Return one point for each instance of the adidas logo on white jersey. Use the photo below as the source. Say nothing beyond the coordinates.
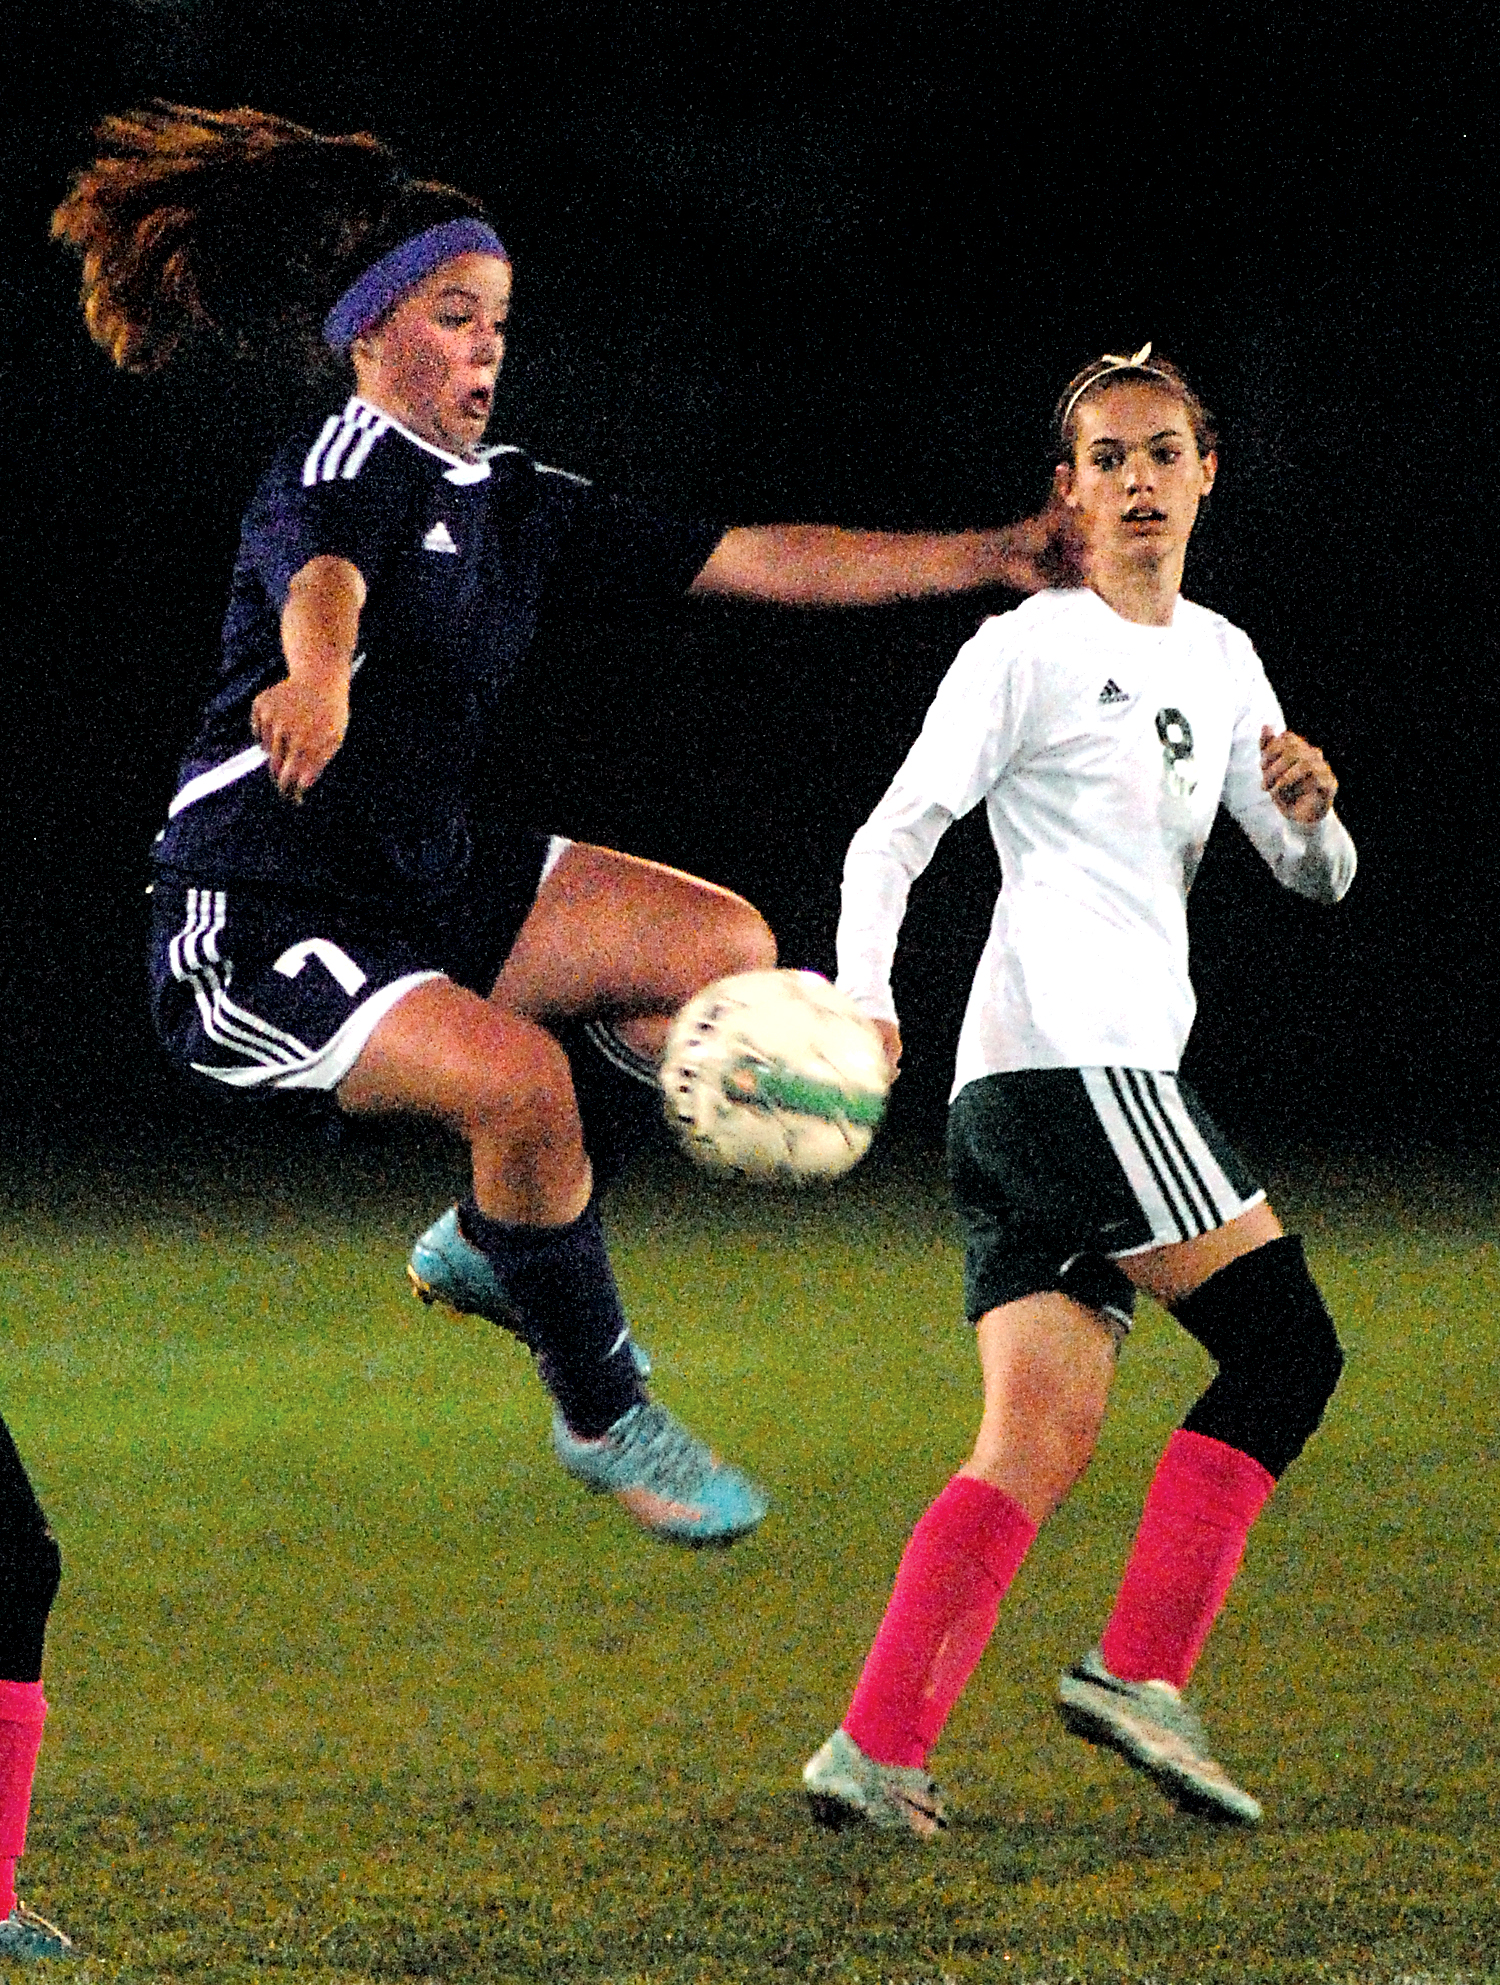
(439, 538)
(1112, 693)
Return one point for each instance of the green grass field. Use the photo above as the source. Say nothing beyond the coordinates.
(348, 1681)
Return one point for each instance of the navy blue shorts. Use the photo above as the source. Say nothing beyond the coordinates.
(259, 988)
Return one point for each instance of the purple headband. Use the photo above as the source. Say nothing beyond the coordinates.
(410, 262)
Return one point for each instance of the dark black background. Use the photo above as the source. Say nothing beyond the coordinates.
(774, 263)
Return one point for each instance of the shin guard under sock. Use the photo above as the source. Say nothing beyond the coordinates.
(23, 1710)
(962, 1556)
(561, 1281)
(1199, 1509)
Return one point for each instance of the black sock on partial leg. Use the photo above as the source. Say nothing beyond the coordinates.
(562, 1283)
(30, 1569)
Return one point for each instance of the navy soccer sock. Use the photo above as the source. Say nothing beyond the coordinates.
(563, 1285)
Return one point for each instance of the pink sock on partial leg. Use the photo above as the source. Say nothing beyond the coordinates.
(963, 1554)
(1203, 1499)
(23, 1710)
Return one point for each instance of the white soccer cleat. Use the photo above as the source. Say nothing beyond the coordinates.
(29, 1937)
(846, 1788)
(1152, 1728)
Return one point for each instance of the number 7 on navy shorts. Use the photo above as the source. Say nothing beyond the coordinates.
(255, 991)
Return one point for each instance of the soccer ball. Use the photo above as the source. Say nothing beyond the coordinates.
(774, 1075)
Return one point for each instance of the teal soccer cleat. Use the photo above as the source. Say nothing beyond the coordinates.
(27, 1936)
(846, 1788)
(1152, 1728)
(667, 1479)
(447, 1269)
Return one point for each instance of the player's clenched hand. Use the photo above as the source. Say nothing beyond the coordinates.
(1044, 550)
(890, 1040)
(300, 723)
(1296, 775)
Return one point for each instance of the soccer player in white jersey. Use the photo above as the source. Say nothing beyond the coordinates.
(1102, 728)
(328, 916)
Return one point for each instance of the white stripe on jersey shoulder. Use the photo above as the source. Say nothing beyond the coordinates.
(343, 446)
(458, 470)
(216, 776)
(542, 468)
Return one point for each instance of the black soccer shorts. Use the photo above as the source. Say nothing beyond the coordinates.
(1059, 1173)
(262, 989)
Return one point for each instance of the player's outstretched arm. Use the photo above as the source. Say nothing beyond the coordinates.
(820, 565)
(300, 721)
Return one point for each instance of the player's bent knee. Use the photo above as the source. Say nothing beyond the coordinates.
(1263, 1321)
(522, 1087)
(745, 941)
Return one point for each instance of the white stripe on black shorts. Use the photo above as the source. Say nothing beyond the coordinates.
(1060, 1173)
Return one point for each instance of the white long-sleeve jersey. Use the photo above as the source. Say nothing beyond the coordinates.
(1102, 750)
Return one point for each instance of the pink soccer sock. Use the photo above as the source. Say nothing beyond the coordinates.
(23, 1710)
(963, 1554)
(1202, 1501)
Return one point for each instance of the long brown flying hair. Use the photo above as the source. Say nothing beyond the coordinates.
(234, 222)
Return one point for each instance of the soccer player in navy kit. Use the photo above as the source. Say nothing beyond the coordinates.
(326, 917)
(1102, 727)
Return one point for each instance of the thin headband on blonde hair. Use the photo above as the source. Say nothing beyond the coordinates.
(1112, 362)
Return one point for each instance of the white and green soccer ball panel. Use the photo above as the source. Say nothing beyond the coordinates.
(774, 1075)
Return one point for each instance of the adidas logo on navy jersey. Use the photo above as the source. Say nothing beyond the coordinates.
(439, 538)
(1112, 693)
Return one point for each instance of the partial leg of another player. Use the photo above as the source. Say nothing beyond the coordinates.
(30, 1567)
(1048, 1363)
(1244, 1291)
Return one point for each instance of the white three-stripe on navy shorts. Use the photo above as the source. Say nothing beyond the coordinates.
(299, 1025)
(258, 989)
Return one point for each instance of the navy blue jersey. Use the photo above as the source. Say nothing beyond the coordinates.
(459, 558)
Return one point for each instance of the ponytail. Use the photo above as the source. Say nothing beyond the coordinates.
(233, 222)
